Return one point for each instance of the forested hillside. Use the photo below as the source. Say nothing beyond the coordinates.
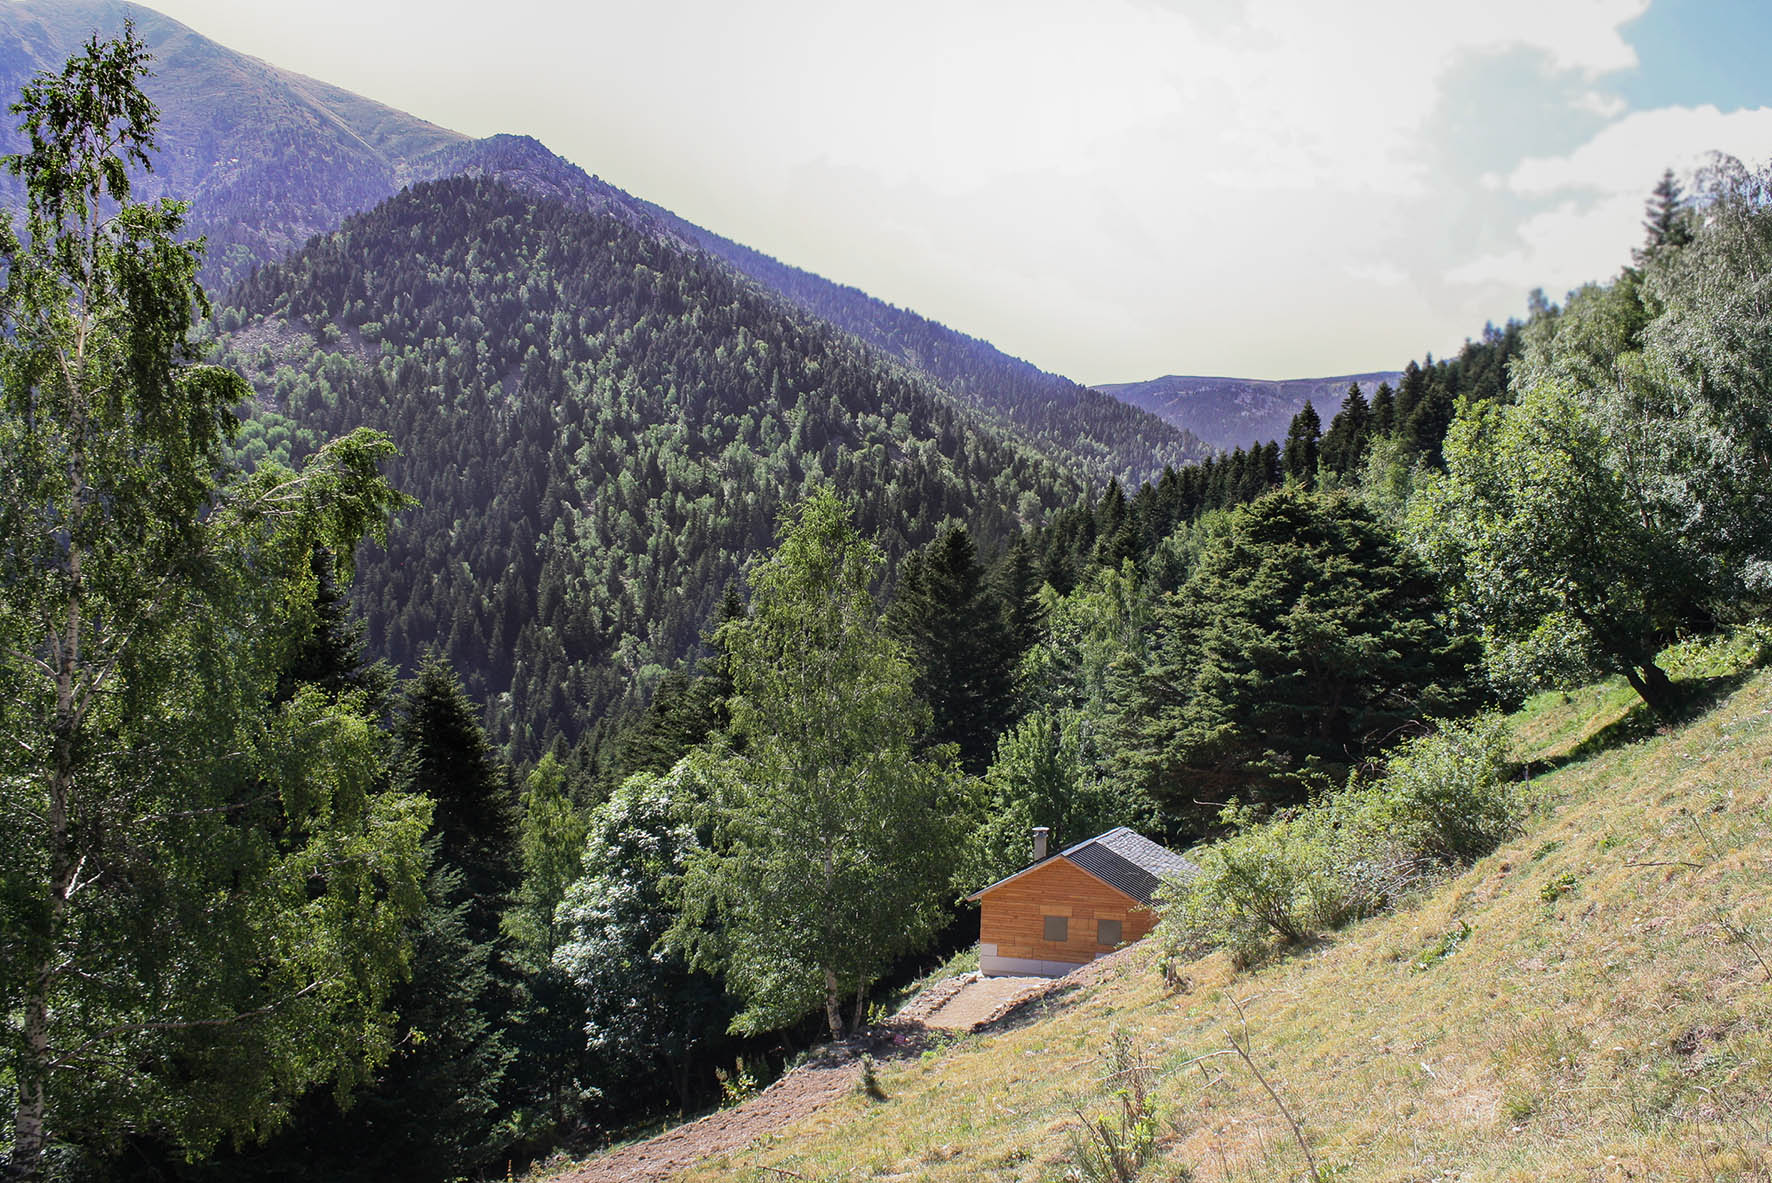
(599, 428)
(269, 158)
(1098, 436)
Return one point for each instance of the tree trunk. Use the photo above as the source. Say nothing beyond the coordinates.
(861, 1002)
(833, 1005)
(1654, 688)
(30, 1119)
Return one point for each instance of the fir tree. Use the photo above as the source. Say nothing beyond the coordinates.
(1304, 638)
(1302, 439)
(1344, 444)
(956, 633)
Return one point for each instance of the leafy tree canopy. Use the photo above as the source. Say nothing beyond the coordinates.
(203, 902)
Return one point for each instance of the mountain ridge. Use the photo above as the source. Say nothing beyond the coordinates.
(263, 186)
(1230, 412)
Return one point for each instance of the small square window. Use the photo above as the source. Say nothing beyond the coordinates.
(1107, 932)
(1058, 928)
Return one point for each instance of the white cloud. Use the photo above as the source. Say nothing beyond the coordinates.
(1599, 190)
(1562, 248)
(1606, 106)
(1629, 154)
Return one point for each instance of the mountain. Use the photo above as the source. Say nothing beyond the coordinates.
(266, 157)
(269, 158)
(600, 429)
(1233, 412)
(1097, 434)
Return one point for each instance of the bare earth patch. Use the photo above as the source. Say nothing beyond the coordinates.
(832, 1071)
(966, 1003)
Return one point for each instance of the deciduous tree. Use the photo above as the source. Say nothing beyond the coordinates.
(831, 841)
(203, 904)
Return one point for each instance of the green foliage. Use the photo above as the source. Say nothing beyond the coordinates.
(550, 840)
(1303, 636)
(642, 1004)
(959, 638)
(1555, 889)
(205, 897)
(1564, 561)
(1044, 774)
(1446, 795)
(1303, 443)
(1444, 799)
(832, 842)
(1624, 497)
(1446, 946)
(1115, 1148)
(1285, 877)
(602, 428)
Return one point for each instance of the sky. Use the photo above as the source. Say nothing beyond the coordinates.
(1114, 190)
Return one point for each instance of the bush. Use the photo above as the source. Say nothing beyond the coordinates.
(1446, 796)
(1285, 878)
(1444, 799)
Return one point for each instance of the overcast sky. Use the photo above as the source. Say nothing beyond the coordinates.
(1115, 189)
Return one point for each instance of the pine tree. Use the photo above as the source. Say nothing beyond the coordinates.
(1384, 410)
(959, 642)
(1344, 445)
(1302, 447)
(1664, 217)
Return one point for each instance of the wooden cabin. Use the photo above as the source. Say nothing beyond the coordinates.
(1066, 909)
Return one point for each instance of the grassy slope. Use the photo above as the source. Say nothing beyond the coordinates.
(1603, 1019)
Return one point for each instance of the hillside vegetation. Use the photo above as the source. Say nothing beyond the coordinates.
(1593, 1000)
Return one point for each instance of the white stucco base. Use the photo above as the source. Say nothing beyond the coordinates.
(993, 966)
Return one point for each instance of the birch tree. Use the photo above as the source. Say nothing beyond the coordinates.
(832, 843)
(202, 895)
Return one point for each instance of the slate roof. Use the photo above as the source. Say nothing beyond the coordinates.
(1121, 859)
(1128, 861)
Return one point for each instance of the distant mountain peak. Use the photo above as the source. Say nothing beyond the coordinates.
(1234, 412)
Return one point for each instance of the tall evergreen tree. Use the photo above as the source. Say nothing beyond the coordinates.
(1344, 444)
(442, 753)
(1302, 439)
(957, 636)
(1304, 635)
(1384, 410)
(1664, 217)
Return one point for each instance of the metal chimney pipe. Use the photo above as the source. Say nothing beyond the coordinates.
(1041, 835)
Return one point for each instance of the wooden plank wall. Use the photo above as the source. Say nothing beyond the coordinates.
(1013, 916)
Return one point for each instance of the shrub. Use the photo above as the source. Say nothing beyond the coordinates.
(1284, 878)
(1445, 798)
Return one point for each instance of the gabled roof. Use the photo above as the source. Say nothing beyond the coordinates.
(1120, 858)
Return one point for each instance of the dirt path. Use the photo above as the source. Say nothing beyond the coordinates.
(832, 1071)
(980, 1000)
(967, 1003)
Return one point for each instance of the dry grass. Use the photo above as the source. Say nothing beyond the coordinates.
(1605, 1016)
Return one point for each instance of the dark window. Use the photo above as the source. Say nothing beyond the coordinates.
(1058, 928)
(1107, 932)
